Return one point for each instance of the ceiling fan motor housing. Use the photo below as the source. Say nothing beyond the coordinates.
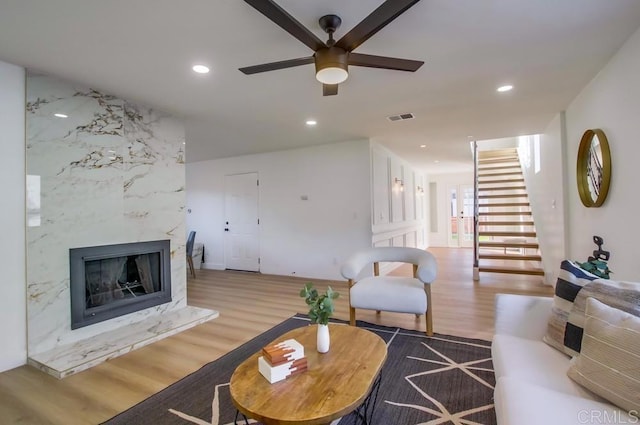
(331, 58)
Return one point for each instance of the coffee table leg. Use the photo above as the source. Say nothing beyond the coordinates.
(235, 421)
(364, 413)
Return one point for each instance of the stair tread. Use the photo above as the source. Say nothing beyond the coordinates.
(498, 167)
(505, 213)
(505, 223)
(482, 182)
(508, 173)
(514, 234)
(507, 157)
(508, 245)
(489, 189)
(512, 270)
(507, 195)
(499, 152)
(508, 257)
(498, 162)
(505, 204)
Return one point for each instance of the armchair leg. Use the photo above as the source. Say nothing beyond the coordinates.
(352, 311)
(418, 316)
(191, 267)
(429, 313)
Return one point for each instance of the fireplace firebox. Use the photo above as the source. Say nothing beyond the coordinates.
(113, 280)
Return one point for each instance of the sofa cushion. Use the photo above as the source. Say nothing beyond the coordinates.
(621, 295)
(570, 281)
(389, 293)
(609, 363)
(523, 403)
(522, 316)
(536, 363)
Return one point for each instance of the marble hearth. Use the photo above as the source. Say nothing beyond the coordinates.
(101, 170)
(72, 358)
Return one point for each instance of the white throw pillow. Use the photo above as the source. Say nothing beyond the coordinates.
(609, 362)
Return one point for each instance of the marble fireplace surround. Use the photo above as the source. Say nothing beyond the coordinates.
(110, 172)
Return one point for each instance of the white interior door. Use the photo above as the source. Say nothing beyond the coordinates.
(461, 216)
(241, 227)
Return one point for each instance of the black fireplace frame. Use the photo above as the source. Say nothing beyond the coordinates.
(82, 316)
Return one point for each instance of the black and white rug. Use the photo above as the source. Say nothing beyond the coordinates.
(425, 380)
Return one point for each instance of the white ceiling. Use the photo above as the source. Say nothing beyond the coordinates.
(143, 50)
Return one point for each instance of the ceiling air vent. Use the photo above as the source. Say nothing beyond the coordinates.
(401, 117)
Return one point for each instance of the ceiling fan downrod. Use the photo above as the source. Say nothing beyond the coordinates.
(329, 24)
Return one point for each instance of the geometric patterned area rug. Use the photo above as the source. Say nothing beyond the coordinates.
(425, 380)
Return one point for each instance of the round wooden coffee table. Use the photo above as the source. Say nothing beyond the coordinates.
(334, 385)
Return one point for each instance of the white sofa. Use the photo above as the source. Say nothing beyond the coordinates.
(532, 386)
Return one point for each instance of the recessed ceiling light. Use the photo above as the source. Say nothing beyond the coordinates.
(61, 115)
(505, 88)
(423, 146)
(311, 122)
(437, 161)
(200, 69)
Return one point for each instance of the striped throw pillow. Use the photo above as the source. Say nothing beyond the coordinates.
(609, 363)
(624, 296)
(570, 281)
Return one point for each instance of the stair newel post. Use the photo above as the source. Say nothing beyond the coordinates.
(476, 269)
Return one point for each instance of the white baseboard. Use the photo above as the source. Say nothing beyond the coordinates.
(213, 266)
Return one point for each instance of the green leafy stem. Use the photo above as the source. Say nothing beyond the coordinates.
(320, 305)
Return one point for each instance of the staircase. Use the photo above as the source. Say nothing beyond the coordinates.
(507, 241)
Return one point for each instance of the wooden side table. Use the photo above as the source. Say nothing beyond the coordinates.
(334, 385)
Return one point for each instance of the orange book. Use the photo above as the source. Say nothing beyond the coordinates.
(283, 352)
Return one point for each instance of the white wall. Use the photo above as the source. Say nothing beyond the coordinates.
(308, 238)
(443, 184)
(13, 316)
(398, 208)
(547, 193)
(610, 102)
(497, 144)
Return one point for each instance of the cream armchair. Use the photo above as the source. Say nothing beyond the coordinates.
(391, 293)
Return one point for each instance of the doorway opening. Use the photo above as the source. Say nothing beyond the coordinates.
(242, 223)
(460, 221)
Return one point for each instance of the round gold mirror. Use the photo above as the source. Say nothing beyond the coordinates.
(593, 168)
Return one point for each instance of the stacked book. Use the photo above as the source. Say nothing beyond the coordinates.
(282, 360)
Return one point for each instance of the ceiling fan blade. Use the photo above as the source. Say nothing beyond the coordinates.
(372, 61)
(378, 19)
(290, 63)
(287, 22)
(329, 89)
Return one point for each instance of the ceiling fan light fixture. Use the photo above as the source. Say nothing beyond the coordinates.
(331, 75)
(331, 65)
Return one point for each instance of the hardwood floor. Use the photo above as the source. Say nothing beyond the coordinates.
(249, 304)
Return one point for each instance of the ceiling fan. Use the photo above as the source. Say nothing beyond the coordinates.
(332, 59)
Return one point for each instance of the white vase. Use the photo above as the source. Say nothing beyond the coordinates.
(323, 341)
